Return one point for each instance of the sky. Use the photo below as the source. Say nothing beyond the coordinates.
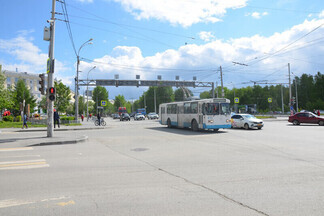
(252, 40)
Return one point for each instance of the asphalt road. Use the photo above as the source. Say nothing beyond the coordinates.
(143, 168)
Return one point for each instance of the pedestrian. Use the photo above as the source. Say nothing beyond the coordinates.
(82, 117)
(318, 112)
(98, 117)
(25, 122)
(56, 119)
(314, 111)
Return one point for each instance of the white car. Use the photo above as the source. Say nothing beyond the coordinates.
(246, 121)
(139, 116)
(152, 115)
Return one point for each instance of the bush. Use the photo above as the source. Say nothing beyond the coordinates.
(70, 118)
(18, 119)
(8, 118)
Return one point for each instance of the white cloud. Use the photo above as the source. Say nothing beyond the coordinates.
(257, 15)
(321, 15)
(26, 56)
(206, 36)
(129, 61)
(85, 1)
(181, 12)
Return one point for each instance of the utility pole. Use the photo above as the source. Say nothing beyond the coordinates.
(282, 102)
(217, 89)
(213, 89)
(289, 85)
(296, 94)
(144, 101)
(155, 99)
(50, 76)
(221, 74)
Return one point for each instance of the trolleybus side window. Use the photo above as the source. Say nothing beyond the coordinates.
(194, 107)
(186, 107)
(172, 108)
(225, 109)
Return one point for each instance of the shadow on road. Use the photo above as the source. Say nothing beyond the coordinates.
(304, 125)
(17, 139)
(185, 131)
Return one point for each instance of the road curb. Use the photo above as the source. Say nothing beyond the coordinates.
(62, 142)
(59, 129)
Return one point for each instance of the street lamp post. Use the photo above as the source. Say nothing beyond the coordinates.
(88, 92)
(77, 80)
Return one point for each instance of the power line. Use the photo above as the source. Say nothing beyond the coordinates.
(67, 23)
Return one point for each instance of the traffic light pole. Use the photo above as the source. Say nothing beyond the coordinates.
(50, 81)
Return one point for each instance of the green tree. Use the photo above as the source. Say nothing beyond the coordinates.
(63, 96)
(22, 93)
(182, 93)
(6, 95)
(163, 95)
(99, 93)
(119, 102)
(43, 104)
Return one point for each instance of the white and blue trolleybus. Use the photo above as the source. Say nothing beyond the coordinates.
(213, 113)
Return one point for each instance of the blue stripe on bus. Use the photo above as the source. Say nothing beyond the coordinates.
(216, 126)
(186, 124)
(174, 123)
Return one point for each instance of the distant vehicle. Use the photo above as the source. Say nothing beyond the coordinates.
(198, 114)
(141, 110)
(121, 110)
(152, 115)
(139, 116)
(246, 121)
(124, 117)
(115, 116)
(132, 114)
(306, 117)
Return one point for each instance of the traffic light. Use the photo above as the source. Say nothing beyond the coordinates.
(42, 83)
(51, 92)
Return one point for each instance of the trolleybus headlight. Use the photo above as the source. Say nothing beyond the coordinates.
(210, 121)
(228, 120)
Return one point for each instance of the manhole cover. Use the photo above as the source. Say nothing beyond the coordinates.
(140, 149)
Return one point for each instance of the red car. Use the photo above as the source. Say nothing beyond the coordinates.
(306, 117)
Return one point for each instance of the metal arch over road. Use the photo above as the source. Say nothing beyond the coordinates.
(138, 83)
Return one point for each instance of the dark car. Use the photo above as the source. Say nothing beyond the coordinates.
(115, 116)
(124, 117)
(306, 117)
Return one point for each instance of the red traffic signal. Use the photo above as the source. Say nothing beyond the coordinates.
(51, 92)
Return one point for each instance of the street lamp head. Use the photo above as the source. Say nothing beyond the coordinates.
(90, 39)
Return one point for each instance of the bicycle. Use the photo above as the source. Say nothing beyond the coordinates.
(102, 122)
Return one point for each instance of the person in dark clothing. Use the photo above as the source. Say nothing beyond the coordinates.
(56, 119)
(98, 117)
(25, 122)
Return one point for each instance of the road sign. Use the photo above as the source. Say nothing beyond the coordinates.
(103, 103)
(236, 100)
(269, 100)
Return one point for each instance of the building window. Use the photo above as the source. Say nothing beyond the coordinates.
(16, 80)
(8, 80)
(8, 86)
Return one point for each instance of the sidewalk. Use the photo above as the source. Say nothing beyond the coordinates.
(26, 136)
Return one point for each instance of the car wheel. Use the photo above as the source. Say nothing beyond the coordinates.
(321, 123)
(246, 126)
(295, 122)
(169, 123)
(194, 125)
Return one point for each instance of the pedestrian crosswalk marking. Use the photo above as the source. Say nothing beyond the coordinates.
(16, 149)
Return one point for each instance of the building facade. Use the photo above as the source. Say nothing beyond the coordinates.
(31, 81)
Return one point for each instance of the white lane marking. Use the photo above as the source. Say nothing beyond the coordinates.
(22, 162)
(19, 156)
(12, 202)
(16, 149)
(25, 167)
